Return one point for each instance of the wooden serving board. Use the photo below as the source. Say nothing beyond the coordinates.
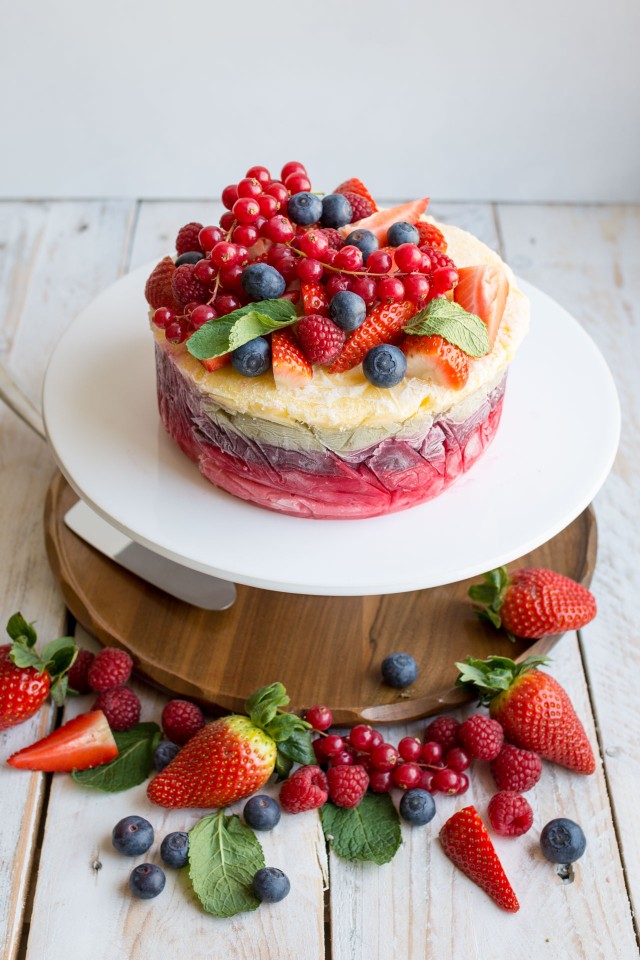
(324, 649)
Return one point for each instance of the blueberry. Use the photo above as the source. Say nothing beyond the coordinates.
(261, 812)
(364, 240)
(562, 841)
(271, 884)
(399, 669)
(304, 208)
(417, 807)
(132, 836)
(146, 881)
(262, 282)
(384, 365)
(165, 752)
(192, 256)
(402, 232)
(336, 211)
(252, 358)
(347, 310)
(174, 849)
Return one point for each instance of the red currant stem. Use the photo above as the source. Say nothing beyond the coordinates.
(351, 273)
(217, 283)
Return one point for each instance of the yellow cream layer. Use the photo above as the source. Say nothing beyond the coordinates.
(348, 400)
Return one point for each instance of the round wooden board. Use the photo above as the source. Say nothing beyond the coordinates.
(324, 649)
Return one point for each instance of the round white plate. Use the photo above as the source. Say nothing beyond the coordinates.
(553, 451)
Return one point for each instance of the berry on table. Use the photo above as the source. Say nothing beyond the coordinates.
(516, 769)
(410, 748)
(253, 358)
(111, 668)
(510, 814)
(431, 752)
(380, 781)
(402, 232)
(261, 812)
(332, 745)
(385, 366)
(336, 211)
(78, 675)
(562, 841)
(319, 717)
(399, 670)
(463, 783)
(121, 707)
(406, 776)
(181, 720)
(444, 730)
(132, 836)
(446, 781)
(270, 885)
(164, 754)
(384, 756)
(304, 208)
(344, 757)
(481, 736)
(188, 238)
(417, 807)
(174, 849)
(306, 789)
(456, 759)
(361, 737)
(146, 881)
(262, 282)
(347, 784)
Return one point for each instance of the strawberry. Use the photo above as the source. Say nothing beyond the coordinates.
(314, 299)
(26, 678)
(465, 841)
(289, 364)
(533, 602)
(158, 290)
(79, 744)
(215, 363)
(235, 755)
(380, 222)
(534, 711)
(483, 290)
(356, 186)
(430, 236)
(383, 324)
(320, 338)
(360, 206)
(434, 358)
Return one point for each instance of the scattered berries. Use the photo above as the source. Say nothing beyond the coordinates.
(319, 717)
(481, 737)
(174, 849)
(417, 807)
(147, 881)
(261, 812)
(347, 784)
(399, 670)
(271, 885)
(510, 814)
(78, 675)
(306, 789)
(516, 769)
(444, 730)
(111, 668)
(181, 720)
(562, 841)
(164, 754)
(121, 707)
(132, 836)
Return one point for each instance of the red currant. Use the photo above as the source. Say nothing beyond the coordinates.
(230, 195)
(249, 187)
(261, 174)
(463, 783)
(176, 331)
(457, 760)
(336, 284)
(205, 271)
(309, 270)
(278, 228)
(246, 210)
(190, 307)
(443, 279)
(224, 253)
(349, 258)
(425, 264)
(279, 191)
(319, 717)
(333, 745)
(376, 739)
(231, 276)
(313, 243)
(227, 221)
(245, 233)
(380, 781)
(390, 290)
(365, 287)
(446, 781)
(226, 303)
(407, 257)
(426, 781)
(293, 166)
(209, 236)
(416, 287)
(201, 315)
(407, 775)
(318, 749)
(285, 265)
(163, 317)
(269, 206)
(431, 752)
(242, 254)
(344, 758)
(297, 183)
(361, 737)
(384, 756)
(379, 262)
(410, 748)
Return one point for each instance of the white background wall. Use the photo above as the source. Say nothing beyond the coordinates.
(536, 100)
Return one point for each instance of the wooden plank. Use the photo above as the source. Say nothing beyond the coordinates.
(46, 278)
(587, 258)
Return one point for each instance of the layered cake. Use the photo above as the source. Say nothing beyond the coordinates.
(323, 358)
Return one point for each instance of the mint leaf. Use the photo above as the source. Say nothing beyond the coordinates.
(452, 322)
(224, 855)
(133, 764)
(18, 627)
(370, 831)
(217, 337)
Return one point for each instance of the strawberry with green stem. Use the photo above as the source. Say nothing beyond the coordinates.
(26, 677)
(533, 709)
(235, 755)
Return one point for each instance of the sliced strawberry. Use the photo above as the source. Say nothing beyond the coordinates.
(356, 186)
(315, 299)
(433, 358)
(383, 325)
(380, 222)
(483, 290)
(430, 236)
(290, 366)
(215, 363)
(81, 743)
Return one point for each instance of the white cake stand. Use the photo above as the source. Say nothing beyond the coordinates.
(554, 448)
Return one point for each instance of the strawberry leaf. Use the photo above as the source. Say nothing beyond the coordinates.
(133, 764)
(370, 831)
(24, 656)
(224, 856)
(297, 747)
(59, 655)
(19, 629)
(454, 324)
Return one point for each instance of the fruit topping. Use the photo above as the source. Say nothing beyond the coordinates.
(383, 324)
(304, 208)
(290, 366)
(364, 240)
(483, 291)
(434, 358)
(384, 365)
(253, 358)
(380, 222)
(320, 338)
(262, 282)
(357, 187)
(158, 289)
(336, 211)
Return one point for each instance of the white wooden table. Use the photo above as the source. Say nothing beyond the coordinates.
(63, 887)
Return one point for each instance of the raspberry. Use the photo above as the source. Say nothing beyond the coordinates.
(347, 784)
(181, 720)
(439, 259)
(430, 236)
(481, 737)
(360, 205)
(510, 814)
(78, 675)
(120, 706)
(188, 239)
(515, 769)
(336, 240)
(158, 289)
(443, 730)
(111, 668)
(320, 338)
(187, 288)
(355, 185)
(306, 789)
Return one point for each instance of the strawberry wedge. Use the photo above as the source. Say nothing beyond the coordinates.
(383, 325)
(483, 290)
(289, 364)
(81, 743)
(380, 222)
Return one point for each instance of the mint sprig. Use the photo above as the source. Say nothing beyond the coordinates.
(224, 856)
(370, 831)
(217, 337)
(133, 764)
(454, 324)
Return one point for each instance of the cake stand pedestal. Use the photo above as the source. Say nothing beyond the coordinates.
(324, 649)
